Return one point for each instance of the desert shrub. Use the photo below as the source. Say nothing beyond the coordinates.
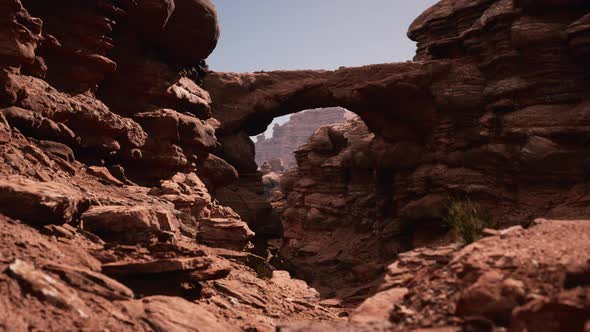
(467, 220)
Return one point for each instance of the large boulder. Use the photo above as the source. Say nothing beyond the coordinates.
(186, 130)
(150, 17)
(216, 172)
(192, 32)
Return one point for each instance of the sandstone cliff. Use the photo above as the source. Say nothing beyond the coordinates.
(286, 138)
(107, 162)
(129, 190)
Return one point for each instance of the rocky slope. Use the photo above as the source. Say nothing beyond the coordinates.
(517, 280)
(106, 150)
(289, 136)
(129, 191)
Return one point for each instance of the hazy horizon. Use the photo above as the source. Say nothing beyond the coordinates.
(305, 34)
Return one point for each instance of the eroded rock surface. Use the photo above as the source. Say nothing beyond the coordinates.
(287, 137)
(492, 111)
(122, 156)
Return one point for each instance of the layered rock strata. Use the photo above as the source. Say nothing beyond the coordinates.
(492, 112)
(517, 280)
(119, 158)
(106, 165)
(286, 138)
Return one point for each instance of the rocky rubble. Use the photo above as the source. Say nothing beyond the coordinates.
(105, 223)
(520, 281)
(130, 198)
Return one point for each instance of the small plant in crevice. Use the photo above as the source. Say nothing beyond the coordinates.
(467, 220)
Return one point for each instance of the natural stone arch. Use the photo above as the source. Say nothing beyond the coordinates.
(395, 100)
(399, 102)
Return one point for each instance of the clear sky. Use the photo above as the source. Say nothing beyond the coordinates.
(313, 34)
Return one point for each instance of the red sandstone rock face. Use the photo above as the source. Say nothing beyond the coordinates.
(493, 110)
(101, 99)
(97, 250)
(95, 254)
(519, 280)
(334, 214)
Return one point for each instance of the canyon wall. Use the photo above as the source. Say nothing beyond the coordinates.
(107, 162)
(287, 137)
(494, 111)
(129, 188)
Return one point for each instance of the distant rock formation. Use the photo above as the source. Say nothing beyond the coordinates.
(286, 138)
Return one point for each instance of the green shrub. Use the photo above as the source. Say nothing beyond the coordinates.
(466, 220)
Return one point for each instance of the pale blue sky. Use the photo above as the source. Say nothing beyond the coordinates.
(313, 34)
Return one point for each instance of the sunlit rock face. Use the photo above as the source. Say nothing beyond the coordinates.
(287, 137)
(130, 195)
(109, 70)
(493, 110)
(106, 165)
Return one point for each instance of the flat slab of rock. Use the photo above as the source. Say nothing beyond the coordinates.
(91, 282)
(46, 288)
(40, 203)
(129, 224)
(164, 313)
(155, 266)
(224, 232)
(104, 174)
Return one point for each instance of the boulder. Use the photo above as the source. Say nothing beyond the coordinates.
(129, 224)
(47, 289)
(176, 314)
(216, 172)
(239, 150)
(191, 33)
(38, 203)
(320, 141)
(378, 307)
(150, 17)
(492, 296)
(271, 180)
(91, 282)
(37, 126)
(224, 232)
(567, 311)
(178, 128)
